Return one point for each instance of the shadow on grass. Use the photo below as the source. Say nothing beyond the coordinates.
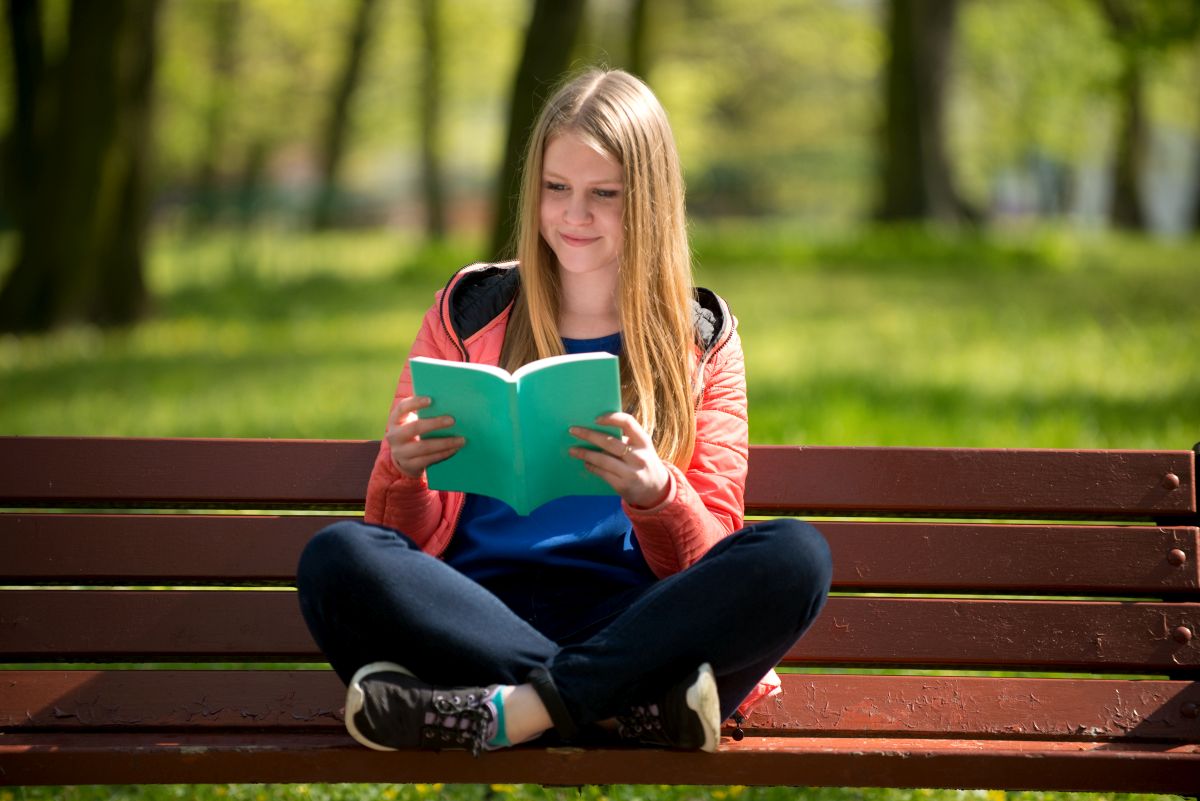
(251, 298)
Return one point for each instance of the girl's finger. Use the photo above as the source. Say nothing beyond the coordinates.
(615, 446)
(630, 427)
(604, 460)
(406, 405)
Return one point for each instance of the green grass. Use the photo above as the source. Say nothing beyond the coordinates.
(895, 337)
(1042, 341)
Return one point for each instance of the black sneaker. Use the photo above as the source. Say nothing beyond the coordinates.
(388, 708)
(688, 718)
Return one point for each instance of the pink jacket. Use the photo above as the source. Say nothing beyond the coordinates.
(705, 503)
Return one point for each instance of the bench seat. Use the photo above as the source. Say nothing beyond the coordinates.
(1015, 619)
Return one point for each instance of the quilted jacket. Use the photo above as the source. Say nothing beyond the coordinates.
(705, 503)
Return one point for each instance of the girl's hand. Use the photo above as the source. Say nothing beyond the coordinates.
(628, 463)
(410, 453)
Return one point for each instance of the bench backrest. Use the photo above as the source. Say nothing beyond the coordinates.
(951, 564)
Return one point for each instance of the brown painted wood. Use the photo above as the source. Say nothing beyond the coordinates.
(896, 557)
(811, 704)
(783, 479)
(981, 707)
(30, 759)
(228, 472)
(1004, 635)
(263, 625)
(788, 479)
(154, 549)
(1066, 734)
(1014, 559)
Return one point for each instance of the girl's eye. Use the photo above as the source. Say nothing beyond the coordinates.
(607, 194)
(551, 186)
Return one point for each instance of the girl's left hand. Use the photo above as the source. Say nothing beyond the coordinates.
(629, 463)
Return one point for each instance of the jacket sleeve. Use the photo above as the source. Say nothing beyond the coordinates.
(393, 499)
(706, 502)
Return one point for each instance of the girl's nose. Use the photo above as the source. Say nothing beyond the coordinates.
(577, 209)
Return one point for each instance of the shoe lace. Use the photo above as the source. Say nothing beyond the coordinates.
(455, 720)
(638, 721)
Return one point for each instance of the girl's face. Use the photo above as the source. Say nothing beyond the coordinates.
(580, 207)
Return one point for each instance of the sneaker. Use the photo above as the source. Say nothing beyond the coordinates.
(688, 718)
(388, 708)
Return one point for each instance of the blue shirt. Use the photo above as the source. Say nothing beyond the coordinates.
(567, 564)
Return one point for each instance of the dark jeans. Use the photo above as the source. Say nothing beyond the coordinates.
(369, 594)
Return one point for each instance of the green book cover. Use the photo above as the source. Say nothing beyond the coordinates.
(515, 424)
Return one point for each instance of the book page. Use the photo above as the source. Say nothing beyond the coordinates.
(563, 392)
(483, 404)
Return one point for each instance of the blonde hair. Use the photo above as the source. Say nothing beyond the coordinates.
(617, 113)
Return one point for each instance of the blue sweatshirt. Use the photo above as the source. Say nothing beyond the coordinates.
(568, 564)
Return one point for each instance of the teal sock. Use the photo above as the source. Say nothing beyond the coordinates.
(500, 738)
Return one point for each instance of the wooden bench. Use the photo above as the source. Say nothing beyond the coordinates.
(121, 559)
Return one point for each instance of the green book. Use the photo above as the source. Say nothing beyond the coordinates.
(515, 424)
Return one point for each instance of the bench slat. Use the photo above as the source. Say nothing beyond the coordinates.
(898, 557)
(153, 549)
(226, 472)
(782, 480)
(195, 625)
(812, 704)
(810, 761)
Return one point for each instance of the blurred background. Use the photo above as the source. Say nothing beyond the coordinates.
(980, 211)
(964, 223)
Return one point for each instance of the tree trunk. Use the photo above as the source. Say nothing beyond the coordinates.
(1126, 29)
(20, 151)
(1132, 145)
(333, 142)
(224, 19)
(917, 178)
(553, 29)
(431, 122)
(639, 55)
(120, 294)
(91, 163)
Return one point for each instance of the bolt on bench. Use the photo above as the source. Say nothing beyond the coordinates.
(1042, 607)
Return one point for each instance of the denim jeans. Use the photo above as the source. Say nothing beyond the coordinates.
(369, 594)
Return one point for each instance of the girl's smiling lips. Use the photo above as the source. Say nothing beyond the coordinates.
(577, 241)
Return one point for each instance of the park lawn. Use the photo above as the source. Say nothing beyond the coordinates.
(888, 338)
(295, 336)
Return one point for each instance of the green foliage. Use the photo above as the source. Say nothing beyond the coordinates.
(775, 104)
(1029, 75)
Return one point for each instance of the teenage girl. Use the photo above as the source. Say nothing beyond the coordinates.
(650, 615)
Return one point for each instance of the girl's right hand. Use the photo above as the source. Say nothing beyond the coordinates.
(410, 453)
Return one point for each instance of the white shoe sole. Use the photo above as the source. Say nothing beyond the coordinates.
(702, 698)
(355, 699)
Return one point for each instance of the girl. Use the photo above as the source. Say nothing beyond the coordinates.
(650, 615)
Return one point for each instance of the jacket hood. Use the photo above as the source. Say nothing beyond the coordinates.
(479, 293)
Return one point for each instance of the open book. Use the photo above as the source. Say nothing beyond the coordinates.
(515, 424)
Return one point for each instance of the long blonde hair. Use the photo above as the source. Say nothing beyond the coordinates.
(617, 113)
